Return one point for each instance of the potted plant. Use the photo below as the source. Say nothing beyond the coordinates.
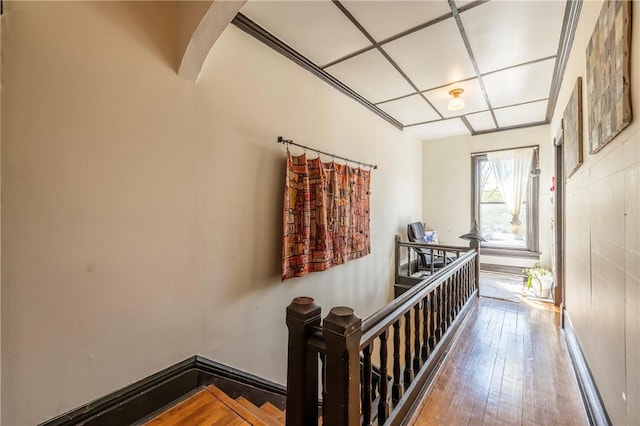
(540, 279)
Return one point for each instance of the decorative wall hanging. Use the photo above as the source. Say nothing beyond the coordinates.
(608, 74)
(572, 128)
(325, 215)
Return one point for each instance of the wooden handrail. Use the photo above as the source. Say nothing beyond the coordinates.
(419, 325)
(433, 246)
(387, 315)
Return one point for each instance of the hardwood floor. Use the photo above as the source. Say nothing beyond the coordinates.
(510, 366)
(210, 406)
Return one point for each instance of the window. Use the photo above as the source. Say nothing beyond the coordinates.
(493, 215)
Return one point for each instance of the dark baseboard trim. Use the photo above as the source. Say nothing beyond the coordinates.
(255, 30)
(504, 269)
(593, 404)
(149, 395)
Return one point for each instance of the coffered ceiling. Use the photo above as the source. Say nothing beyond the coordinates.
(402, 58)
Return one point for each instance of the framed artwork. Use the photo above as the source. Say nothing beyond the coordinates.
(608, 74)
(572, 131)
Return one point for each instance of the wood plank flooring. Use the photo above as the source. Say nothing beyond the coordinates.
(509, 366)
(210, 406)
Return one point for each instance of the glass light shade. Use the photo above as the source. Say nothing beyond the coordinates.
(456, 103)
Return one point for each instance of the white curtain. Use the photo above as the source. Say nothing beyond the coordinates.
(511, 169)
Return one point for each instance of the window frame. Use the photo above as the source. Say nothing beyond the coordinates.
(533, 209)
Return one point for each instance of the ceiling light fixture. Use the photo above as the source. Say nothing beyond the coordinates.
(456, 103)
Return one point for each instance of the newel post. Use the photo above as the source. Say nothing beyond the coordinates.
(474, 236)
(475, 244)
(302, 365)
(342, 330)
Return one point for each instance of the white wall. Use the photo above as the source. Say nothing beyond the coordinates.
(141, 212)
(603, 239)
(447, 188)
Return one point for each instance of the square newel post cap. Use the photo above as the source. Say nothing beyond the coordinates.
(342, 321)
(303, 308)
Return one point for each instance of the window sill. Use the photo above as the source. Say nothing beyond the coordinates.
(505, 252)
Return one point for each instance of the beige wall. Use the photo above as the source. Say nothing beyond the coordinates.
(141, 212)
(446, 184)
(603, 240)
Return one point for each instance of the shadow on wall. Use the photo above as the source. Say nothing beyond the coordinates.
(268, 198)
(257, 225)
(155, 28)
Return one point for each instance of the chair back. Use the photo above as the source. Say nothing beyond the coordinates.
(415, 232)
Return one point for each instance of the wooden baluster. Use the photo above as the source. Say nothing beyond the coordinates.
(302, 365)
(342, 330)
(456, 294)
(452, 299)
(445, 306)
(323, 381)
(468, 281)
(452, 288)
(433, 321)
(396, 390)
(463, 297)
(397, 259)
(433, 261)
(417, 325)
(383, 405)
(426, 332)
(460, 283)
(439, 314)
(366, 387)
(408, 373)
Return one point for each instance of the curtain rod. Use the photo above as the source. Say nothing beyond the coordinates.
(285, 141)
(535, 148)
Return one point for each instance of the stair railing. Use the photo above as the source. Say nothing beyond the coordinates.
(338, 354)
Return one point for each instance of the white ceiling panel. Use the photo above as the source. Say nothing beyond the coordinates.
(372, 76)
(439, 129)
(504, 33)
(472, 96)
(409, 110)
(433, 56)
(316, 29)
(514, 44)
(528, 113)
(519, 84)
(383, 19)
(481, 121)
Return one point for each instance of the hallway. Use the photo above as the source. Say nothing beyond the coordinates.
(509, 366)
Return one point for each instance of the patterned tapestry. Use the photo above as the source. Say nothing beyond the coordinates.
(325, 215)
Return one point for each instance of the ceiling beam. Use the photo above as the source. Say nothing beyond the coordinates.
(569, 25)
(465, 39)
(259, 33)
(355, 22)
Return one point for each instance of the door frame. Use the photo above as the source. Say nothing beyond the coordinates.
(559, 229)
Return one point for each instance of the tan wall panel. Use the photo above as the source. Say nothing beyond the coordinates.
(143, 210)
(602, 257)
